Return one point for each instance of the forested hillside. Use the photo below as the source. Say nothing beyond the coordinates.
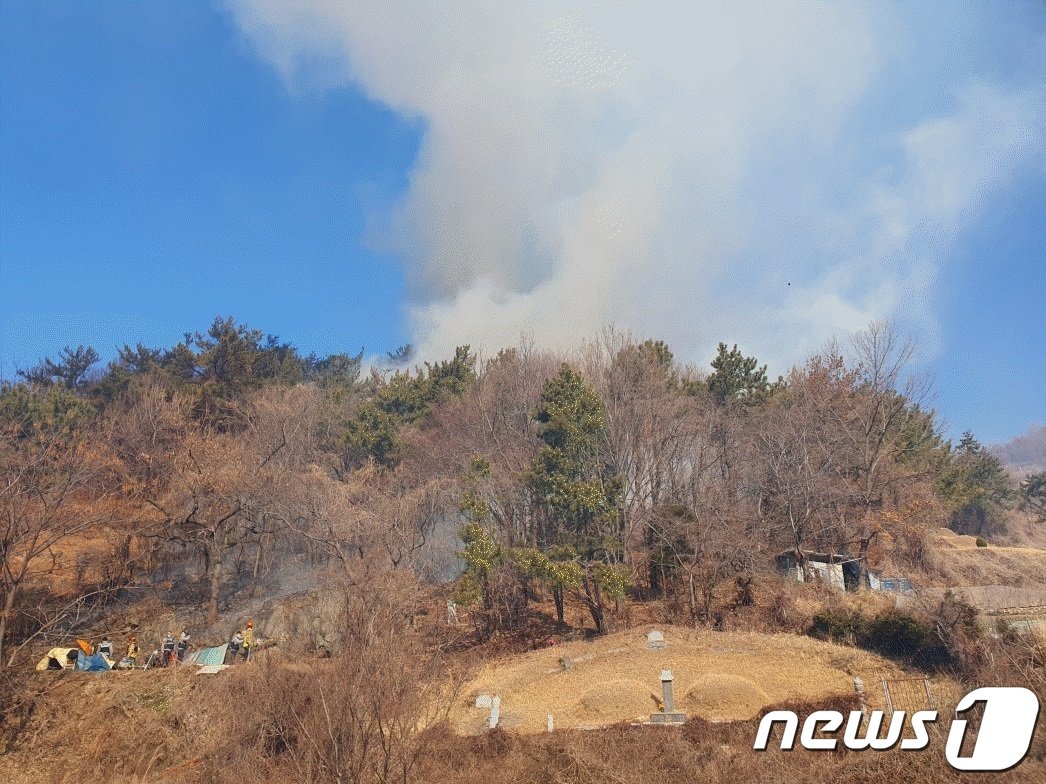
(595, 481)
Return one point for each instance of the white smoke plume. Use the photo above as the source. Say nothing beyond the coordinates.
(769, 174)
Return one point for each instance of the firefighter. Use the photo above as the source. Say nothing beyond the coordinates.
(235, 643)
(167, 649)
(133, 650)
(183, 644)
(248, 640)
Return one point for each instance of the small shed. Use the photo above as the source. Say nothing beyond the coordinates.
(837, 570)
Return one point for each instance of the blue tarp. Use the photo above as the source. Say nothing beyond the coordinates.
(96, 663)
(208, 656)
(896, 584)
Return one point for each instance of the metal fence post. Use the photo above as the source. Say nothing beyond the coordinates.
(886, 695)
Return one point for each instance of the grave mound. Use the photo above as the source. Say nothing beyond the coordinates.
(719, 676)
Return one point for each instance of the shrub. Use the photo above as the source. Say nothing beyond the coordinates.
(981, 542)
(896, 634)
(781, 609)
(839, 625)
(745, 592)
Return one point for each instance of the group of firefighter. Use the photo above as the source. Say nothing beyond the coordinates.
(172, 650)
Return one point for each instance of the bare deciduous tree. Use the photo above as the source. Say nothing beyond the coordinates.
(207, 489)
(52, 489)
(796, 482)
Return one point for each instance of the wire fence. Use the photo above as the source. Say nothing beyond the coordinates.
(908, 695)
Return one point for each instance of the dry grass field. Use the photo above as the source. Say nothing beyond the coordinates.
(962, 563)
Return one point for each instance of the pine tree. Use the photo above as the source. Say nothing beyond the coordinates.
(579, 494)
(737, 378)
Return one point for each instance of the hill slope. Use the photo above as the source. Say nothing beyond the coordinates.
(720, 676)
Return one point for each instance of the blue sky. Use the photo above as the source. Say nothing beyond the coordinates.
(156, 173)
(429, 176)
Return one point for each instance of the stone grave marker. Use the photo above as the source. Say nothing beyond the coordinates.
(655, 640)
(495, 712)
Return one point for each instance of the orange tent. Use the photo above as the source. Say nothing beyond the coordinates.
(85, 646)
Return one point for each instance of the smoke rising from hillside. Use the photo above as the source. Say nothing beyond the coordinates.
(768, 174)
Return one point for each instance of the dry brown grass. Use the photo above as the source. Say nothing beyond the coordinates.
(700, 751)
(126, 723)
(961, 563)
(719, 676)
(173, 727)
(168, 727)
